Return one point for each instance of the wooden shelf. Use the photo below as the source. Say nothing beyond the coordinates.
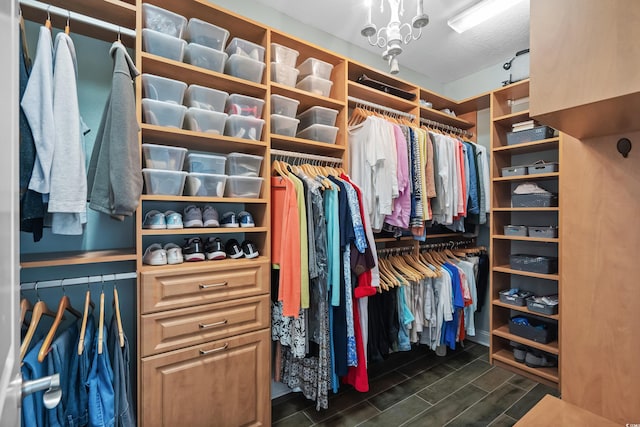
(509, 119)
(526, 238)
(529, 147)
(474, 103)
(503, 332)
(288, 143)
(509, 270)
(202, 230)
(534, 177)
(195, 199)
(506, 356)
(524, 309)
(307, 99)
(372, 95)
(515, 90)
(551, 209)
(221, 264)
(55, 259)
(440, 117)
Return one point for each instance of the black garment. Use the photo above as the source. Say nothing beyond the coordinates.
(383, 325)
(482, 280)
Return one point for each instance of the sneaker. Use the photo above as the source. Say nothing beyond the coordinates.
(192, 217)
(539, 359)
(210, 216)
(249, 249)
(173, 219)
(233, 249)
(519, 351)
(192, 250)
(229, 220)
(155, 255)
(214, 249)
(245, 219)
(174, 253)
(154, 220)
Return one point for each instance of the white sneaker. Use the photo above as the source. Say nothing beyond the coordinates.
(155, 255)
(174, 253)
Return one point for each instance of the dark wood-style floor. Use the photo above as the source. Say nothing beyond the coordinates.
(418, 388)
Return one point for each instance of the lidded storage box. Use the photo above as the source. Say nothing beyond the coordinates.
(205, 57)
(315, 85)
(200, 120)
(283, 74)
(318, 115)
(206, 34)
(163, 157)
(246, 49)
(160, 44)
(241, 164)
(163, 89)
(243, 186)
(164, 182)
(245, 68)
(163, 21)
(206, 163)
(246, 127)
(320, 133)
(205, 184)
(283, 125)
(244, 105)
(284, 106)
(284, 55)
(205, 98)
(315, 67)
(163, 113)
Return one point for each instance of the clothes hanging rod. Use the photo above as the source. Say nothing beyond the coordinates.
(446, 127)
(380, 107)
(78, 281)
(305, 156)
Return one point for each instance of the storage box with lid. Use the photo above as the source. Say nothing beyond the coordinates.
(317, 115)
(542, 167)
(283, 125)
(246, 127)
(535, 330)
(205, 98)
(536, 134)
(320, 133)
(163, 182)
(315, 67)
(284, 106)
(163, 20)
(546, 232)
(242, 164)
(315, 85)
(245, 68)
(284, 55)
(206, 34)
(205, 184)
(205, 57)
(163, 89)
(163, 113)
(243, 186)
(514, 171)
(534, 263)
(246, 49)
(200, 120)
(206, 163)
(515, 230)
(160, 44)
(163, 157)
(284, 74)
(244, 105)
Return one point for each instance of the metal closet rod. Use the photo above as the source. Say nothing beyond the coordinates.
(103, 278)
(446, 127)
(380, 107)
(304, 156)
(451, 244)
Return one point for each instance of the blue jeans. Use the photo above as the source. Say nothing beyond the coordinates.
(62, 359)
(123, 407)
(33, 410)
(100, 382)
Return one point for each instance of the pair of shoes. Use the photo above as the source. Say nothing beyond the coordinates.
(231, 220)
(195, 249)
(519, 351)
(156, 220)
(539, 359)
(156, 254)
(196, 217)
(248, 249)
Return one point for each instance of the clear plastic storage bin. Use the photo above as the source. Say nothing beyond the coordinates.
(283, 125)
(244, 105)
(317, 115)
(163, 157)
(206, 163)
(163, 182)
(315, 85)
(284, 106)
(160, 44)
(243, 186)
(283, 74)
(205, 57)
(163, 89)
(163, 113)
(206, 34)
(320, 133)
(245, 48)
(163, 21)
(205, 98)
(246, 127)
(244, 68)
(284, 55)
(200, 120)
(315, 67)
(205, 185)
(241, 164)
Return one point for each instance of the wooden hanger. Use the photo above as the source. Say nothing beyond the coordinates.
(39, 309)
(88, 304)
(47, 22)
(101, 322)
(23, 36)
(25, 306)
(67, 29)
(116, 312)
(63, 305)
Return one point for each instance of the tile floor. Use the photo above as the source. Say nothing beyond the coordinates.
(418, 388)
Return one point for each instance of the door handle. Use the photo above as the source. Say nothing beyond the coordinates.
(51, 384)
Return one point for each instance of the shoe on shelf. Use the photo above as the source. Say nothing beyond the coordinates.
(192, 217)
(210, 216)
(173, 219)
(192, 250)
(174, 253)
(519, 351)
(214, 248)
(154, 220)
(250, 249)
(245, 219)
(539, 359)
(154, 255)
(229, 220)
(233, 249)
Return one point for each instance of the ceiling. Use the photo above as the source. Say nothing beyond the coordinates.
(441, 53)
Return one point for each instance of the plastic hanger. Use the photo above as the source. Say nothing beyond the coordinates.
(39, 309)
(63, 305)
(116, 311)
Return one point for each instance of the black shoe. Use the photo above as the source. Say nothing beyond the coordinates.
(538, 359)
(192, 250)
(233, 249)
(214, 249)
(519, 351)
(250, 249)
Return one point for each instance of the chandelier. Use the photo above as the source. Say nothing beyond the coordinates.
(395, 33)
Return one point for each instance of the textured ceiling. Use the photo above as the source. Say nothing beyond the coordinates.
(441, 53)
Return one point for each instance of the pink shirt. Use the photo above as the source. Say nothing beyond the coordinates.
(402, 204)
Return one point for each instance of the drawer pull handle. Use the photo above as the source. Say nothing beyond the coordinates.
(213, 325)
(215, 350)
(213, 285)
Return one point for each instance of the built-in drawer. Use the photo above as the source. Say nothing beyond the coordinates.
(186, 286)
(174, 329)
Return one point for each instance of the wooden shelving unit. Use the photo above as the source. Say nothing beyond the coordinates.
(55, 259)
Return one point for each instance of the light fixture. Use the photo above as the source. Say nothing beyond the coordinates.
(395, 33)
(478, 13)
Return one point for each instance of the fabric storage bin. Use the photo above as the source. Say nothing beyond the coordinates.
(547, 232)
(163, 157)
(284, 106)
(283, 125)
(241, 164)
(205, 98)
(534, 200)
(245, 48)
(200, 120)
(536, 330)
(315, 85)
(246, 127)
(518, 299)
(245, 68)
(160, 44)
(318, 115)
(284, 55)
(534, 263)
(205, 57)
(529, 135)
(206, 34)
(283, 74)
(315, 67)
(205, 185)
(244, 105)
(163, 89)
(243, 186)
(206, 163)
(163, 21)
(514, 171)
(163, 113)
(542, 168)
(169, 183)
(540, 307)
(515, 230)
(320, 133)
